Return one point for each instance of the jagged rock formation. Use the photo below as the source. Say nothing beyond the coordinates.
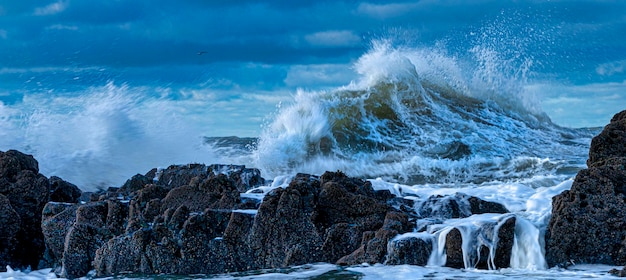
(23, 194)
(193, 219)
(588, 223)
(118, 228)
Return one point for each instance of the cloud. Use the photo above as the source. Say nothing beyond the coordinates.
(319, 75)
(51, 9)
(587, 105)
(62, 27)
(384, 11)
(333, 38)
(611, 68)
(47, 70)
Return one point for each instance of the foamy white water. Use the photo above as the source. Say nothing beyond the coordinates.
(398, 272)
(419, 122)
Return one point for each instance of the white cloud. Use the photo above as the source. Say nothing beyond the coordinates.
(590, 105)
(51, 9)
(611, 68)
(62, 27)
(333, 38)
(384, 11)
(319, 75)
(10, 70)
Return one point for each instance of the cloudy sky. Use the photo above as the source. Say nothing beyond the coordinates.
(261, 51)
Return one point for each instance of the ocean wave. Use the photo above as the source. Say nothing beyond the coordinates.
(416, 116)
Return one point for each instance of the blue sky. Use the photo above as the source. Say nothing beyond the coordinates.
(259, 52)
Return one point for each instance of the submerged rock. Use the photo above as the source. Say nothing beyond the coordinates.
(618, 272)
(489, 246)
(588, 223)
(459, 205)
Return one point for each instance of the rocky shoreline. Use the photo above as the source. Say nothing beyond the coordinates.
(193, 219)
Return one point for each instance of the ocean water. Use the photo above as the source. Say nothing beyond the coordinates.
(416, 120)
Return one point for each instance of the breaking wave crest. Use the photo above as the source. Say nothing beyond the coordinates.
(421, 116)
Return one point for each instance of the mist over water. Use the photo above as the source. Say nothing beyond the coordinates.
(103, 135)
(414, 115)
(463, 114)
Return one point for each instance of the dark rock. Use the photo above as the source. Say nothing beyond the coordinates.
(123, 253)
(588, 223)
(459, 205)
(195, 229)
(93, 214)
(456, 150)
(139, 214)
(184, 224)
(215, 193)
(57, 219)
(283, 232)
(202, 250)
(618, 272)
(81, 244)
(239, 256)
(197, 248)
(374, 248)
(180, 175)
(88, 233)
(345, 201)
(244, 178)
(410, 250)
(62, 191)
(10, 227)
(27, 192)
(397, 221)
(117, 216)
(610, 142)
(454, 249)
(479, 206)
(341, 239)
(502, 254)
(480, 240)
(89, 196)
(134, 184)
(13, 162)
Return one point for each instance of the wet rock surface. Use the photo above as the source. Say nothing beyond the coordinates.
(23, 194)
(459, 205)
(204, 226)
(618, 272)
(193, 219)
(411, 250)
(588, 223)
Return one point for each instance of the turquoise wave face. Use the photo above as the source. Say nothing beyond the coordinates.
(410, 119)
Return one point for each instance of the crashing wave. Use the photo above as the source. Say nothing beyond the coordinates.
(412, 119)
